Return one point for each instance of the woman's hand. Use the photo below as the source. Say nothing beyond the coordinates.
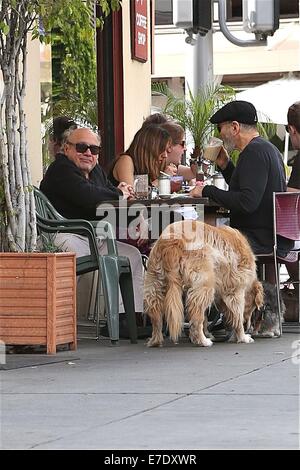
(127, 190)
(171, 169)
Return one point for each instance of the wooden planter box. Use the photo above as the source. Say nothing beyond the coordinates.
(38, 299)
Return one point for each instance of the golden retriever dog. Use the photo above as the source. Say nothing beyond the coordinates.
(210, 264)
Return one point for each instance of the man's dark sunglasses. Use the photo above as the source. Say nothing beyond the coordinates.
(81, 147)
(219, 127)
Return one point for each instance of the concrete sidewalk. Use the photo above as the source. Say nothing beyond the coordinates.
(229, 396)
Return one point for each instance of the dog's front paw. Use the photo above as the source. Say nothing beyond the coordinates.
(154, 343)
(267, 334)
(246, 339)
(207, 342)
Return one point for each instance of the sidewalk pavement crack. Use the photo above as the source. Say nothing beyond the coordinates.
(244, 374)
(167, 402)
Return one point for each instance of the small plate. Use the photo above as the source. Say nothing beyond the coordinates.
(174, 195)
(164, 196)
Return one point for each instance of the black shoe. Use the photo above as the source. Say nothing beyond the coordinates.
(220, 336)
(123, 329)
(218, 329)
(217, 323)
(143, 332)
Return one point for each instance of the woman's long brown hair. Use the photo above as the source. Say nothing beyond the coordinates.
(148, 144)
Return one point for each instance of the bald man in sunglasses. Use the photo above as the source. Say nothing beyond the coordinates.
(75, 184)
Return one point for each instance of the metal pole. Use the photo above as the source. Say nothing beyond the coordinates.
(203, 61)
(199, 68)
(199, 62)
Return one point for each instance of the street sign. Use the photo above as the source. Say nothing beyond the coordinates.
(139, 30)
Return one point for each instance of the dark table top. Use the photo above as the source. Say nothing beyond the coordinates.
(179, 200)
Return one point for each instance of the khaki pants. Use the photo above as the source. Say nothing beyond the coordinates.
(80, 245)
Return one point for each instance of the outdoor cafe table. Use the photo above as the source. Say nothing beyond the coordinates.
(207, 210)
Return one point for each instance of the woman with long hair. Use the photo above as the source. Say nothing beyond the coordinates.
(177, 148)
(146, 154)
(175, 152)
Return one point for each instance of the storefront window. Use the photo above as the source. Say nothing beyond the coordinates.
(288, 9)
(164, 9)
(163, 12)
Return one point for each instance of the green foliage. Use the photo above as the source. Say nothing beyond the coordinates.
(193, 113)
(74, 61)
(40, 17)
(47, 244)
(73, 55)
(54, 13)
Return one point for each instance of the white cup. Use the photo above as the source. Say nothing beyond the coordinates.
(219, 181)
(212, 150)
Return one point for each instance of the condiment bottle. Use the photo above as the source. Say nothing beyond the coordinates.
(164, 185)
(200, 173)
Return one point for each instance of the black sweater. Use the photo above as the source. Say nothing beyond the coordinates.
(259, 172)
(73, 195)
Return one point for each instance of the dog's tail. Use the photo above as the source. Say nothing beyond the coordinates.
(171, 253)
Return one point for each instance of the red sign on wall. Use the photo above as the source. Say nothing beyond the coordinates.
(139, 33)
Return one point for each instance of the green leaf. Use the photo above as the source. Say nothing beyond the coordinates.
(4, 28)
(194, 112)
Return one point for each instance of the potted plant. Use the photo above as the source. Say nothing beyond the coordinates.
(35, 312)
(193, 112)
(17, 20)
(38, 299)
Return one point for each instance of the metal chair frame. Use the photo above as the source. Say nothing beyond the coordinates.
(286, 223)
(114, 270)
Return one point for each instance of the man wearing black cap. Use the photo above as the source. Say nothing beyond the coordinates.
(258, 173)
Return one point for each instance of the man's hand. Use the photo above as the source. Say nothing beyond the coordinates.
(127, 190)
(197, 190)
(223, 158)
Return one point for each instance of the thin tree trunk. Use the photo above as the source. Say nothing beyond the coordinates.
(18, 227)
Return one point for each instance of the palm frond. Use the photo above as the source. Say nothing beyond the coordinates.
(267, 129)
(194, 112)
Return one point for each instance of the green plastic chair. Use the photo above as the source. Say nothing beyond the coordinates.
(114, 270)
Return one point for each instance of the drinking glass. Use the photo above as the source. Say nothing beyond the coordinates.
(140, 186)
(212, 150)
(176, 183)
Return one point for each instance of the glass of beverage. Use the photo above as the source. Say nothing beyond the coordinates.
(140, 186)
(176, 183)
(211, 151)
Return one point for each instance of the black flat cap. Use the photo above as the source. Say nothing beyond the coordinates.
(240, 111)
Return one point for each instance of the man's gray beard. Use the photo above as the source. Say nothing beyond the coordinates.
(229, 146)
